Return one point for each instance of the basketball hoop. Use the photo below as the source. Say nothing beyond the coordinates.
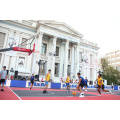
(29, 51)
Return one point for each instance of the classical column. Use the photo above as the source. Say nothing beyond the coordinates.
(16, 63)
(94, 67)
(66, 58)
(88, 74)
(84, 65)
(53, 57)
(77, 59)
(33, 64)
(5, 41)
(38, 48)
(3, 54)
(61, 60)
(72, 61)
(2, 61)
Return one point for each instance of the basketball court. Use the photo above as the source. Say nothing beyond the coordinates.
(13, 93)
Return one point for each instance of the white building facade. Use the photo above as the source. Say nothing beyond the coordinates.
(73, 53)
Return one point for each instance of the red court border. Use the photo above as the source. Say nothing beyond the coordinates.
(8, 94)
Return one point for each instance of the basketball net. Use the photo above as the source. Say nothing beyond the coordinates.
(35, 51)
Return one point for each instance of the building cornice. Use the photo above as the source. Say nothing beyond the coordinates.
(19, 25)
(48, 26)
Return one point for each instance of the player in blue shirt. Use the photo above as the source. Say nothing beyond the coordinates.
(80, 85)
(86, 81)
(32, 80)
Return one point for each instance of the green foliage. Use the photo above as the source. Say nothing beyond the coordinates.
(109, 72)
(104, 64)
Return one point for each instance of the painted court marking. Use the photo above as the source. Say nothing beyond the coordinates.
(15, 94)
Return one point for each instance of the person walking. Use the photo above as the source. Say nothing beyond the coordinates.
(3, 77)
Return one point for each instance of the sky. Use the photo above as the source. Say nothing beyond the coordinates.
(97, 20)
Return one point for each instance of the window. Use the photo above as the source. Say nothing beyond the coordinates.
(69, 69)
(56, 69)
(23, 43)
(2, 38)
(80, 57)
(43, 48)
(91, 59)
(57, 51)
(69, 53)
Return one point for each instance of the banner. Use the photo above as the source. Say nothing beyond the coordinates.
(12, 42)
(21, 63)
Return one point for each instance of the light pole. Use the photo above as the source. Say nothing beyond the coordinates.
(40, 63)
(100, 72)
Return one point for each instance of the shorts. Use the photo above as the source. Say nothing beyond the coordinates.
(67, 84)
(46, 82)
(2, 81)
(100, 87)
(82, 85)
(86, 85)
(32, 81)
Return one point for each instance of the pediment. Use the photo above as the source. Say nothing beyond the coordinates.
(61, 26)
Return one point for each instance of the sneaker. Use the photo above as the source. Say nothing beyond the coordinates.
(110, 92)
(81, 95)
(44, 91)
(67, 90)
(86, 90)
(2, 90)
(99, 94)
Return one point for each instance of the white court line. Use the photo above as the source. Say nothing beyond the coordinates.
(15, 94)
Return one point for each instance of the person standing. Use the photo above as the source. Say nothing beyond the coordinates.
(32, 80)
(3, 77)
(61, 80)
(81, 84)
(86, 81)
(101, 85)
(42, 80)
(68, 83)
(47, 79)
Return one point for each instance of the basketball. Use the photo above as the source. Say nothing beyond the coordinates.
(74, 93)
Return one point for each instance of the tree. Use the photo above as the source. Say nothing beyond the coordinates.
(104, 64)
(109, 72)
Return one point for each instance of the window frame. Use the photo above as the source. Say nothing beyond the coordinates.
(45, 48)
(58, 51)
